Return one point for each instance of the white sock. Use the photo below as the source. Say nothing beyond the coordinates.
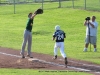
(94, 48)
(85, 48)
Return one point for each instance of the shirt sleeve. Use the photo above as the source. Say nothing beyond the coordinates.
(64, 35)
(95, 24)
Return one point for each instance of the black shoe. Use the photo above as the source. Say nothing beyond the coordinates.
(23, 56)
(55, 57)
(66, 62)
(29, 56)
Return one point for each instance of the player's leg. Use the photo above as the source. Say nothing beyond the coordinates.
(63, 53)
(66, 61)
(24, 43)
(29, 44)
(55, 50)
(62, 50)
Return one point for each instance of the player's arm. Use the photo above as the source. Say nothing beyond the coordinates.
(64, 35)
(33, 15)
(53, 38)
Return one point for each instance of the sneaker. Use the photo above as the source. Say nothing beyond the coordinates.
(55, 57)
(23, 56)
(85, 50)
(66, 62)
(95, 50)
(29, 56)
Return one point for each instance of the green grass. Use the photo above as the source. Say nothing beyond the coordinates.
(38, 72)
(71, 21)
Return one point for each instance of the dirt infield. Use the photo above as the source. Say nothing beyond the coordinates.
(10, 58)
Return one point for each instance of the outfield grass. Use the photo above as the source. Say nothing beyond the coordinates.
(71, 21)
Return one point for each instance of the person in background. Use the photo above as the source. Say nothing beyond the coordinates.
(91, 33)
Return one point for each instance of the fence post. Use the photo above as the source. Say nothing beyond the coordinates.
(42, 3)
(73, 3)
(14, 6)
(59, 3)
(85, 4)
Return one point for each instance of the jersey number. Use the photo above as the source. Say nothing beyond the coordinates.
(60, 37)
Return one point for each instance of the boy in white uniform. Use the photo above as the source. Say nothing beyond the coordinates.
(59, 36)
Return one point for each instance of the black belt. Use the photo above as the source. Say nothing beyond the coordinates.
(28, 30)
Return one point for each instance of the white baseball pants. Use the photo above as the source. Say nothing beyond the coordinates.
(61, 46)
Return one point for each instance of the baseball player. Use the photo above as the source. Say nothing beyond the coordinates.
(59, 36)
(28, 35)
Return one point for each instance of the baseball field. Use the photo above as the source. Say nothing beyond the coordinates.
(71, 21)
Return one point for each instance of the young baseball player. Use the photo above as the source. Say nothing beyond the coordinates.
(28, 35)
(59, 36)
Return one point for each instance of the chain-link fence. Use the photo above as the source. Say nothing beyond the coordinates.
(17, 1)
(93, 5)
(81, 4)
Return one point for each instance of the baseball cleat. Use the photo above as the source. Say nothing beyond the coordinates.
(66, 62)
(55, 57)
(29, 56)
(23, 56)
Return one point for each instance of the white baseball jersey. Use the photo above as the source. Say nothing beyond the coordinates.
(59, 35)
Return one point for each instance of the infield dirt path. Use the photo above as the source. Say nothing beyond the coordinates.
(10, 58)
